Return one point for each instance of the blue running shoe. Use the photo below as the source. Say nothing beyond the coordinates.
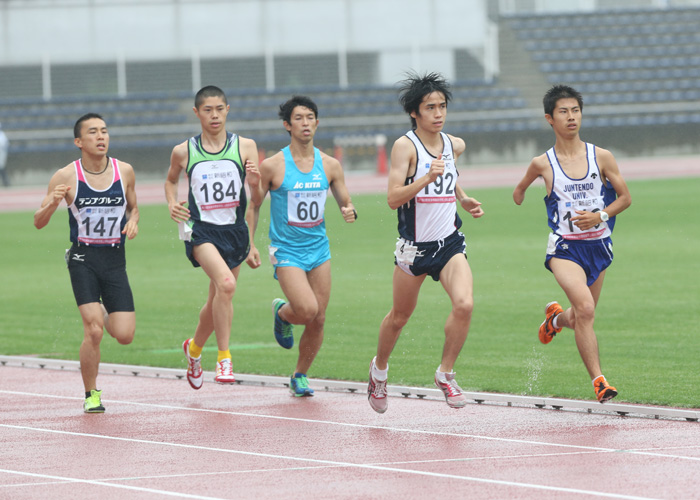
(299, 385)
(283, 329)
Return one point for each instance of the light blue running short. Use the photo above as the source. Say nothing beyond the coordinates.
(306, 259)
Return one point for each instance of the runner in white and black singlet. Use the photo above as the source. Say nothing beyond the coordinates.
(423, 189)
(216, 164)
(102, 214)
(585, 191)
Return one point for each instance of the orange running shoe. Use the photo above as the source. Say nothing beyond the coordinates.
(603, 391)
(547, 330)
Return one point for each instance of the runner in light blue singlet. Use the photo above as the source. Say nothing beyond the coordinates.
(297, 219)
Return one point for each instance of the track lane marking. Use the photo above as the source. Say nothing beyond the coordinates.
(355, 425)
(323, 462)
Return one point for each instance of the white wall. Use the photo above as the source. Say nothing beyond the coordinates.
(78, 31)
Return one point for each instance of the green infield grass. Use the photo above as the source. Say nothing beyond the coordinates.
(646, 321)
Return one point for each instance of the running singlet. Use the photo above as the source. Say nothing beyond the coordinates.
(216, 193)
(297, 207)
(568, 195)
(97, 218)
(432, 214)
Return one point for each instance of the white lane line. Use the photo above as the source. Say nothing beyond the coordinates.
(109, 485)
(326, 462)
(355, 425)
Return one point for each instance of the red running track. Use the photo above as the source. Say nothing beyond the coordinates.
(161, 439)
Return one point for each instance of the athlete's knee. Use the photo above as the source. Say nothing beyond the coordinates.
(226, 286)
(398, 319)
(93, 332)
(319, 320)
(125, 335)
(583, 313)
(122, 326)
(307, 312)
(463, 308)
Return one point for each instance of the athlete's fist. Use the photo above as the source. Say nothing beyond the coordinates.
(253, 258)
(252, 173)
(59, 193)
(437, 168)
(349, 213)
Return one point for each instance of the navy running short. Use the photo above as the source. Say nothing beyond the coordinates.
(428, 257)
(594, 256)
(232, 242)
(99, 274)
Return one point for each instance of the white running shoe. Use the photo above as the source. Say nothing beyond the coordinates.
(194, 367)
(224, 372)
(376, 392)
(452, 391)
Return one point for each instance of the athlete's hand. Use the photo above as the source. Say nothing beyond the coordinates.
(59, 193)
(253, 259)
(179, 212)
(585, 220)
(252, 174)
(131, 229)
(472, 206)
(437, 168)
(349, 213)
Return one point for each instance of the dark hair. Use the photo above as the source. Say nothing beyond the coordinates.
(560, 92)
(208, 91)
(285, 112)
(414, 88)
(79, 124)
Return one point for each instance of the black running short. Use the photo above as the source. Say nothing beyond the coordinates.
(99, 274)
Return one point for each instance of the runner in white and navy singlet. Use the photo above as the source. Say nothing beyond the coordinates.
(585, 192)
(568, 195)
(591, 249)
(432, 214)
(96, 217)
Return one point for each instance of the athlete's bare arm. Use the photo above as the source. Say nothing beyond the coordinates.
(539, 167)
(59, 189)
(403, 163)
(336, 179)
(468, 203)
(178, 163)
(249, 155)
(611, 171)
(458, 145)
(131, 229)
(269, 179)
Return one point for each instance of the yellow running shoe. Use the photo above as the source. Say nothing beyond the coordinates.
(93, 404)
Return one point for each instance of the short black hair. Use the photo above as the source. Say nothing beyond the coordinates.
(414, 88)
(79, 124)
(285, 112)
(208, 91)
(560, 92)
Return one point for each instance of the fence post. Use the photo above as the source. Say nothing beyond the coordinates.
(196, 70)
(121, 74)
(46, 76)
